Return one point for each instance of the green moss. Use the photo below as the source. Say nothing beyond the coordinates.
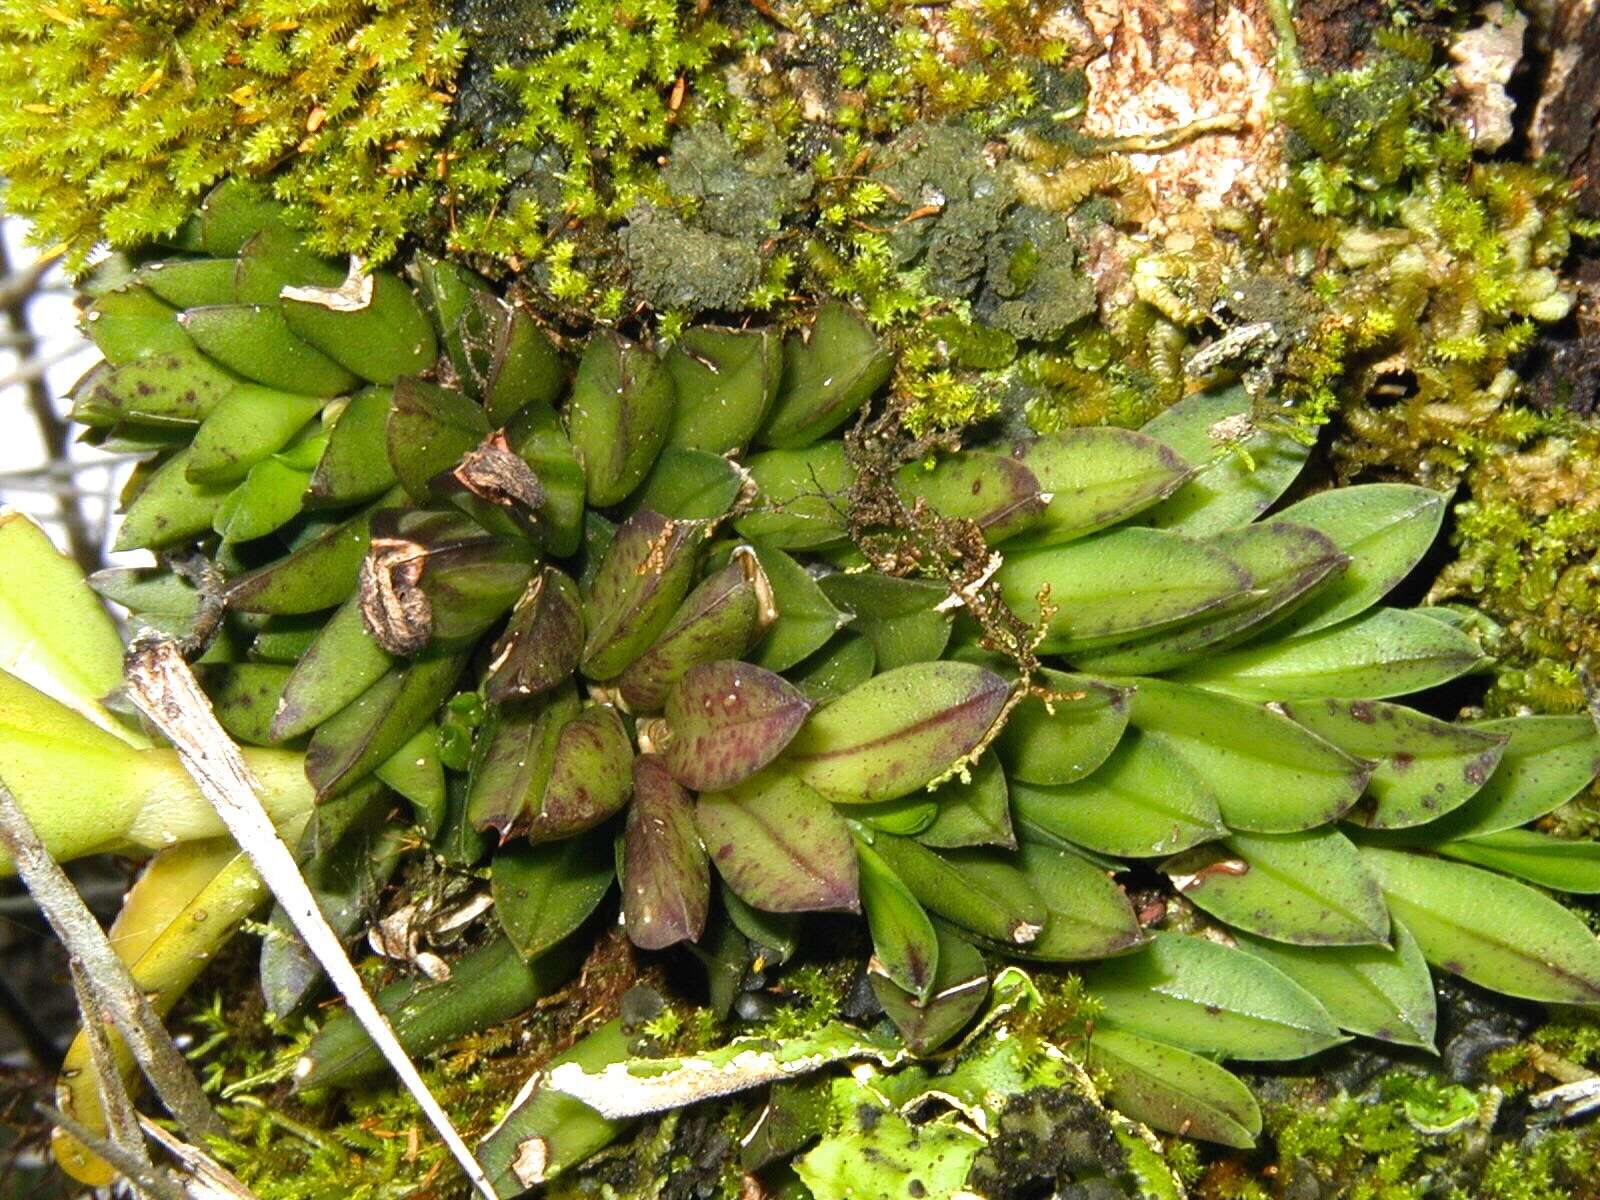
(118, 118)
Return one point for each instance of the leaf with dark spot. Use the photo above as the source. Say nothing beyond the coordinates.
(591, 775)
(729, 719)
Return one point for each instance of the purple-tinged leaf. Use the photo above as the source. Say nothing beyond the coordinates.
(542, 642)
(666, 880)
(728, 720)
(591, 775)
(780, 846)
(644, 576)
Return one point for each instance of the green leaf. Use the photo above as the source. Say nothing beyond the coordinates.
(1561, 864)
(898, 731)
(542, 642)
(1000, 494)
(317, 574)
(905, 948)
(1174, 1091)
(514, 758)
(1547, 762)
(1211, 999)
(543, 893)
(975, 811)
(361, 737)
(618, 415)
(980, 890)
(1096, 477)
(342, 661)
(1042, 747)
(1380, 992)
(726, 380)
(1385, 528)
(780, 846)
(255, 341)
(719, 619)
(1286, 563)
(666, 881)
(727, 720)
(1309, 888)
(1424, 767)
(1387, 652)
(1490, 930)
(898, 616)
(1144, 801)
(829, 372)
(1272, 775)
(643, 576)
(1087, 914)
(806, 617)
(416, 773)
(960, 985)
(383, 339)
(430, 430)
(1228, 488)
(591, 775)
(836, 669)
(800, 496)
(1118, 584)
(689, 485)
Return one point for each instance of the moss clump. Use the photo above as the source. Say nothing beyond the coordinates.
(119, 117)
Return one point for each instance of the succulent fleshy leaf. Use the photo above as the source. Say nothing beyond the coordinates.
(900, 617)
(430, 429)
(381, 720)
(1490, 930)
(1145, 800)
(1045, 747)
(905, 946)
(780, 846)
(590, 779)
(342, 661)
(544, 893)
(690, 485)
(969, 812)
(1286, 563)
(643, 576)
(979, 890)
(247, 426)
(806, 618)
(1546, 762)
(960, 986)
(1095, 477)
(829, 372)
(1384, 529)
(727, 720)
(1001, 494)
(542, 642)
(1211, 999)
(1424, 767)
(1560, 864)
(371, 325)
(318, 574)
(1240, 468)
(255, 341)
(726, 380)
(1173, 1090)
(1087, 914)
(1387, 652)
(1380, 991)
(666, 880)
(618, 415)
(1309, 889)
(508, 783)
(1119, 584)
(798, 505)
(898, 731)
(721, 619)
(838, 668)
(1280, 777)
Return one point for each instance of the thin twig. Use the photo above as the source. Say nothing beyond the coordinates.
(122, 1120)
(152, 1047)
(137, 1169)
(161, 684)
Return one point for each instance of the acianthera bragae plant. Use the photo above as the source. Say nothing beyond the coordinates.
(691, 625)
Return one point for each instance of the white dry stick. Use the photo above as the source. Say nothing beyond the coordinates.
(135, 1168)
(122, 1122)
(114, 986)
(160, 682)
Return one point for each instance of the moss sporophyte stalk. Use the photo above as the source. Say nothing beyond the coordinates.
(784, 582)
